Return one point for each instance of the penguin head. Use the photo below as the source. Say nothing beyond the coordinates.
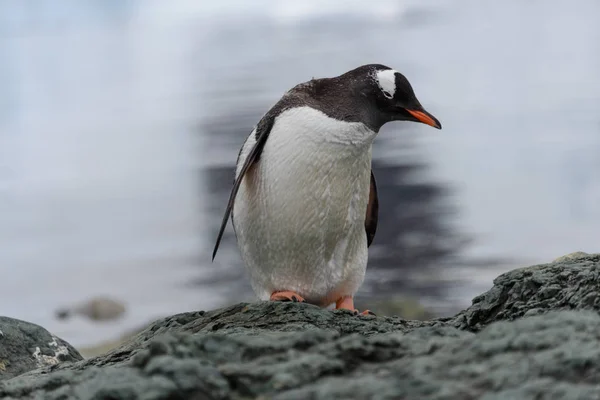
(386, 95)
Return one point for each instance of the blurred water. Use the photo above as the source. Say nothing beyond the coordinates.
(100, 146)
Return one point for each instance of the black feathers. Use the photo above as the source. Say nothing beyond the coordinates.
(262, 133)
(372, 211)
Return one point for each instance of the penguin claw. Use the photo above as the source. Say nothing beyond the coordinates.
(347, 303)
(366, 312)
(287, 296)
(357, 313)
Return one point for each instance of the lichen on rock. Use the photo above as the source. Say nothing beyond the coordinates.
(25, 346)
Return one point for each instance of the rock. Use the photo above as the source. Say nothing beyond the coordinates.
(96, 309)
(555, 356)
(25, 346)
(514, 342)
(571, 282)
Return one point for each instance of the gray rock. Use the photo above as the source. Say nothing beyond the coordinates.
(571, 282)
(513, 343)
(25, 346)
(556, 355)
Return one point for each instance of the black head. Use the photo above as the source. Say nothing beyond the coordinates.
(386, 95)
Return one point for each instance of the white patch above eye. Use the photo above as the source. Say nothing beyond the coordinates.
(386, 80)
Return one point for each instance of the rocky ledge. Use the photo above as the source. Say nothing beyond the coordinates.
(534, 335)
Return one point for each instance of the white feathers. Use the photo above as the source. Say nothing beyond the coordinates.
(386, 80)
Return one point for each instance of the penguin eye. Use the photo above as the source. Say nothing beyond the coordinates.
(387, 94)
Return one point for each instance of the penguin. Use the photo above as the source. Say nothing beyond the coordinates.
(304, 205)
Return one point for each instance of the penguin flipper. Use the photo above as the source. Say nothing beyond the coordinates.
(262, 133)
(372, 211)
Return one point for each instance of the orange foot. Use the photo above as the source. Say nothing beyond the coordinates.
(347, 303)
(287, 296)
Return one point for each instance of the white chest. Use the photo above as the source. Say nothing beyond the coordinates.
(307, 136)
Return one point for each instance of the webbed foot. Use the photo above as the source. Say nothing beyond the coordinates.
(347, 303)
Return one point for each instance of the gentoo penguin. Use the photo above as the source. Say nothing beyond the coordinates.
(304, 200)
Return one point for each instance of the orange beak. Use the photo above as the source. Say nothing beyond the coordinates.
(426, 118)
